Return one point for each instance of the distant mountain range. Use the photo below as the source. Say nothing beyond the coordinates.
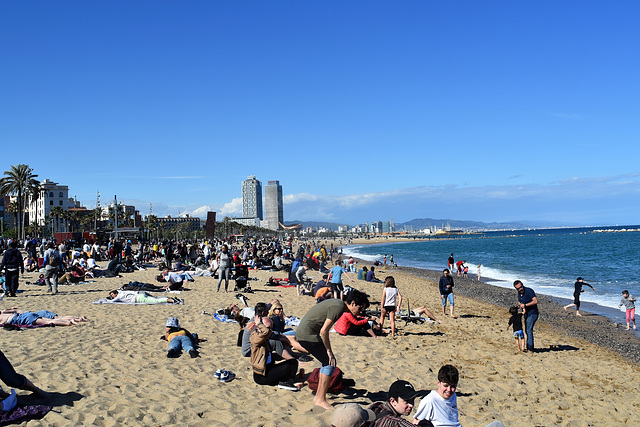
(421, 223)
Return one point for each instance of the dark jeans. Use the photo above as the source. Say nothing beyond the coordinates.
(8, 375)
(277, 372)
(529, 322)
(12, 281)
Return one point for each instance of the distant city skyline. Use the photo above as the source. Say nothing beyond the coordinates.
(252, 198)
(364, 111)
(274, 210)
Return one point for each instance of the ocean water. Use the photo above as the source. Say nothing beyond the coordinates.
(549, 260)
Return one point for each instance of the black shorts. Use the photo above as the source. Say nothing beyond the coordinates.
(317, 350)
(389, 308)
(337, 287)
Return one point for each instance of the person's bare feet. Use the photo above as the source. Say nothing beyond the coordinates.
(323, 404)
(627, 328)
(578, 314)
(565, 308)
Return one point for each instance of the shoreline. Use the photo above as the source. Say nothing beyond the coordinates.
(596, 328)
(599, 324)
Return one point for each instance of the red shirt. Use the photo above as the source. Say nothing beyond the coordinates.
(346, 320)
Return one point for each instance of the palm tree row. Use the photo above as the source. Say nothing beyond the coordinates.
(21, 182)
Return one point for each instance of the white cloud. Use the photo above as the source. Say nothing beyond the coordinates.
(233, 208)
(200, 212)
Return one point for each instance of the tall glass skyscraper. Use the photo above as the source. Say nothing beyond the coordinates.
(273, 205)
(252, 198)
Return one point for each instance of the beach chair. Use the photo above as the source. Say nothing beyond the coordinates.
(409, 317)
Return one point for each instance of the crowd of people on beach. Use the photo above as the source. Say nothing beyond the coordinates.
(273, 347)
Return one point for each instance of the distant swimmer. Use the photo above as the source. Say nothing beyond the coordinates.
(576, 295)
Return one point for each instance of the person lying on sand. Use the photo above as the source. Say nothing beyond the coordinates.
(140, 298)
(179, 339)
(13, 316)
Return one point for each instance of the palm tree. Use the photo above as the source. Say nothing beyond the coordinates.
(97, 216)
(152, 223)
(112, 215)
(85, 221)
(56, 212)
(13, 208)
(66, 216)
(19, 181)
(74, 218)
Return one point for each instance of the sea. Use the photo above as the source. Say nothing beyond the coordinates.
(547, 260)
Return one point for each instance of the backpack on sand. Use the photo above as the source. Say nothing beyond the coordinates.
(337, 384)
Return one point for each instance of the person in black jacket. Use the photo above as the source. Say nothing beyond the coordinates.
(446, 292)
(12, 262)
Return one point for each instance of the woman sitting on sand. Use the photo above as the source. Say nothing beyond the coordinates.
(265, 370)
(13, 316)
(135, 297)
(30, 264)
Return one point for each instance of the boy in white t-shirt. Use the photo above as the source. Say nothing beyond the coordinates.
(440, 407)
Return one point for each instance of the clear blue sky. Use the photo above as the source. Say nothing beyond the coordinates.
(363, 110)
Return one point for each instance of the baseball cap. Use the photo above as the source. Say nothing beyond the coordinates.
(351, 415)
(402, 389)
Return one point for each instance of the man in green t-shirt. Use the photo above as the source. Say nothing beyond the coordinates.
(313, 335)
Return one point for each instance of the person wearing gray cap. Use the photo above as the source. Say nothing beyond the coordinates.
(351, 415)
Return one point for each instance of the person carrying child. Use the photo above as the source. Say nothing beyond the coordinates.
(629, 303)
(518, 332)
(391, 299)
(179, 339)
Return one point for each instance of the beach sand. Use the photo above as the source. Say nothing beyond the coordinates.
(113, 371)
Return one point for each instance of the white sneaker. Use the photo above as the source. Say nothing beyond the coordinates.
(227, 376)
(288, 385)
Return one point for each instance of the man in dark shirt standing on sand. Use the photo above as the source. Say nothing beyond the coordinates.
(528, 301)
(313, 335)
(13, 263)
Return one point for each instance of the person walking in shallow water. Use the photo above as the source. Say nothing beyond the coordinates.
(576, 295)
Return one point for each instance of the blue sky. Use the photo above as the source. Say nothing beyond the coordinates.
(363, 110)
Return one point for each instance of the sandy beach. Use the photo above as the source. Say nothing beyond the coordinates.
(113, 371)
